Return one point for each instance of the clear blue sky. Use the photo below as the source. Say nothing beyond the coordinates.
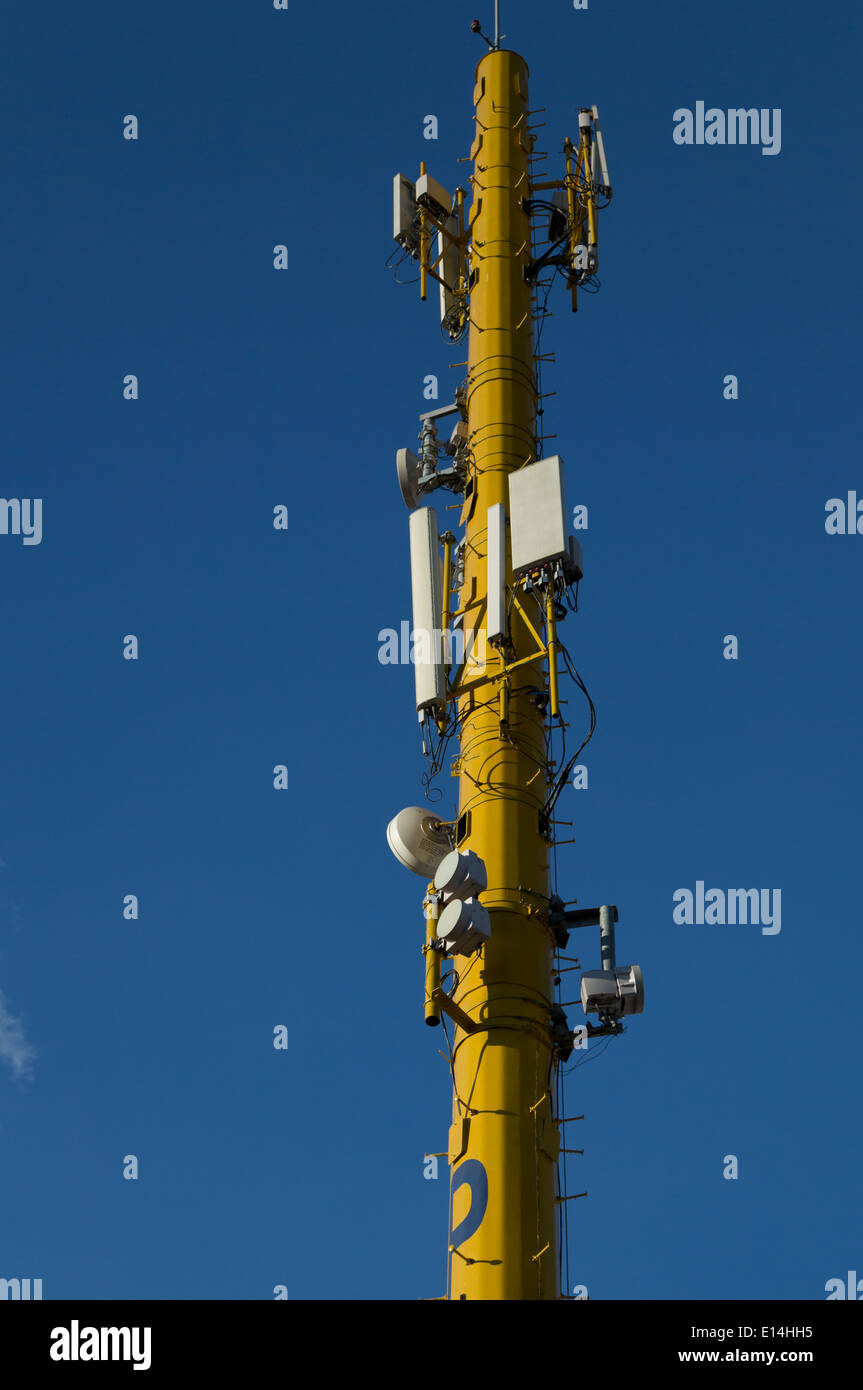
(154, 777)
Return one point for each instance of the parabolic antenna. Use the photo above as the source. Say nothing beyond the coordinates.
(408, 469)
(461, 874)
(419, 840)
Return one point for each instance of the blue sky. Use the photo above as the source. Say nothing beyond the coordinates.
(257, 647)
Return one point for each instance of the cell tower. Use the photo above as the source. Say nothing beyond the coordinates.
(488, 655)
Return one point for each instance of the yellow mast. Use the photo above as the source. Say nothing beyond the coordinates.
(491, 914)
(503, 1142)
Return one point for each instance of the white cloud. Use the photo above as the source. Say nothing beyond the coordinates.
(14, 1047)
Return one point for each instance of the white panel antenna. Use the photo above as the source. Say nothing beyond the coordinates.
(448, 268)
(404, 213)
(408, 471)
(433, 195)
(427, 593)
(537, 515)
(496, 573)
(598, 151)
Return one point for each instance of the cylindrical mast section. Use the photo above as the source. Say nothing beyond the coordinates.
(504, 1143)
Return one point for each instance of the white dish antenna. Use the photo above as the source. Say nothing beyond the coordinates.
(419, 840)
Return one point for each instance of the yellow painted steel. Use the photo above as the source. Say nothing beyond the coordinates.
(432, 959)
(573, 219)
(593, 230)
(424, 246)
(553, 705)
(448, 540)
(504, 1141)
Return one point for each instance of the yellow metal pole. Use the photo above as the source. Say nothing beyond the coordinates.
(424, 247)
(593, 235)
(432, 1008)
(551, 628)
(503, 1141)
(573, 221)
(448, 540)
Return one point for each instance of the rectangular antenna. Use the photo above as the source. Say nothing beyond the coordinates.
(537, 515)
(404, 212)
(448, 268)
(496, 572)
(427, 594)
(599, 148)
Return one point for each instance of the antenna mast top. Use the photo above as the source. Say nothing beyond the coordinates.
(476, 27)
